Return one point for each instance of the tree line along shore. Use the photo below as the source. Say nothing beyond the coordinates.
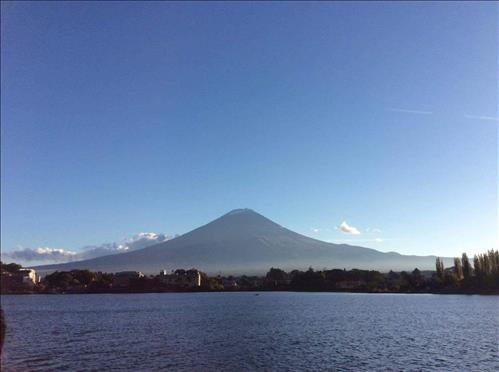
(481, 276)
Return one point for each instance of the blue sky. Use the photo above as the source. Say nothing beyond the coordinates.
(120, 118)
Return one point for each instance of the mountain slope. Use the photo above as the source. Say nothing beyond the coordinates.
(243, 241)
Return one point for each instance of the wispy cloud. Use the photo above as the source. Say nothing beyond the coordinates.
(373, 230)
(356, 241)
(410, 111)
(58, 255)
(482, 117)
(347, 229)
(315, 229)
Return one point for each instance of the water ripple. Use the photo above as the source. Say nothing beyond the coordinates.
(240, 331)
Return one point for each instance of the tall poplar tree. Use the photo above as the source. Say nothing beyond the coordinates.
(440, 268)
(458, 268)
(467, 270)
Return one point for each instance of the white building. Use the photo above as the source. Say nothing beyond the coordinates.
(28, 276)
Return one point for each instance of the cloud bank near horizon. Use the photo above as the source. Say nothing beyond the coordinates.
(61, 255)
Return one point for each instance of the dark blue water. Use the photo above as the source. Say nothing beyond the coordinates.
(241, 331)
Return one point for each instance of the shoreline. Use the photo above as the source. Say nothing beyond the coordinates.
(444, 292)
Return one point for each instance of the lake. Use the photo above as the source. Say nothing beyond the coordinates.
(249, 331)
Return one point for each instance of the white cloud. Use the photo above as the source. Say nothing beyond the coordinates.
(373, 230)
(42, 254)
(138, 241)
(315, 229)
(482, 117)
(411, 111)
(347, 229)
(47, 255)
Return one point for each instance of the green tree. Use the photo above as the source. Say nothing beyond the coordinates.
(494, 261)
(467, 270)
(277, 275)
(484, 258)
(439, 264)
(10, 268)
(59, 279)
(85, 277)
(458, 268)
(477, 266)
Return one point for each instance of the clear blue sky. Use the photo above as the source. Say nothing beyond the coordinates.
(119, 118)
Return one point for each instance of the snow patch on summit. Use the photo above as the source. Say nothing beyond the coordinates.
(239, 211)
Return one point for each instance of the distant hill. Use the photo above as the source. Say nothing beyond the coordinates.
(245, 242)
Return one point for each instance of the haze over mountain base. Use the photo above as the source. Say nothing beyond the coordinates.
(245, 242)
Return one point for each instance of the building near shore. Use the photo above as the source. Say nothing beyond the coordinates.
(28, 276)
(20, 279)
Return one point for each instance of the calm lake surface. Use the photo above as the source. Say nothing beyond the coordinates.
(244, 331)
